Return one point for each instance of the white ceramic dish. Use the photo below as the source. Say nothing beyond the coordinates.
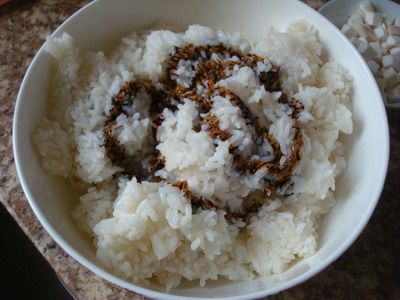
(339, 11)
(100, 24)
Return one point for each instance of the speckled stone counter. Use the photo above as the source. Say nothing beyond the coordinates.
(370, 269)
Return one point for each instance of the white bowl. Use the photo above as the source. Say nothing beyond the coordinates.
(99, 25)
(339, 11)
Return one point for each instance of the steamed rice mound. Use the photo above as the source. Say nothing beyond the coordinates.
(145, 229)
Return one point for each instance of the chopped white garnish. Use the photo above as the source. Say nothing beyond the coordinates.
(389, 73)
(373, 18)
(363, 39)
(377, 50)
(355, 19)
(362, 46)
(377, 38)
(373, 65)
(388, 61)
(393, 40)
(358, 13)
(396, 53)
(370, 33)
(369, 53)
(348, 30)
(380, 32)
(359, 28)
(385, 47)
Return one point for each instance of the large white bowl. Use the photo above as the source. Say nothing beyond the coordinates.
(100, 24)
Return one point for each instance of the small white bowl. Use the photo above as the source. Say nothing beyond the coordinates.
(101, 23)
(339, 11)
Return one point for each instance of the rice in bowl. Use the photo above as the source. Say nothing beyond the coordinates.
(201, 155)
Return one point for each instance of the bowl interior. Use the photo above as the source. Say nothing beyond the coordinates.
(358, 189)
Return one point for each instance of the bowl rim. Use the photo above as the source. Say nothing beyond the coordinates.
(101, 272)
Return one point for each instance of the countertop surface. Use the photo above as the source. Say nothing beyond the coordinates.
(370, 269)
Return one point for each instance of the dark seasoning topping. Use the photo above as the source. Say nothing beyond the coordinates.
(210, 64)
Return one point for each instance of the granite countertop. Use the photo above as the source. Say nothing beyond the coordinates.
(370, 269)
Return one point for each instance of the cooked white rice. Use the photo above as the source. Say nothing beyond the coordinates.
(148, 230)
